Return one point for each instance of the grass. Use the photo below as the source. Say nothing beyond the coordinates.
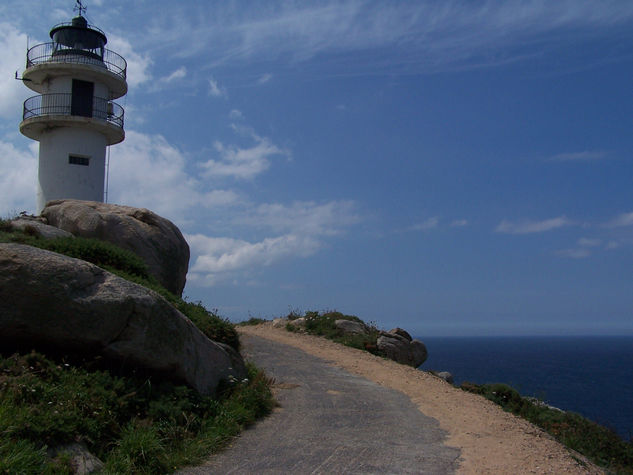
(252, 321)
(601, 445)
(323, 324)
(133, 423)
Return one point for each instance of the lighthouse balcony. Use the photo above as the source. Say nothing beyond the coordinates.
(95, 64)
(48, 111)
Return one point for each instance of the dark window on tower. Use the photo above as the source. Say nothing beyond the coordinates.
(82, 98)
(77, 160)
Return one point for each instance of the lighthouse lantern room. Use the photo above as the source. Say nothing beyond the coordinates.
(73, 116)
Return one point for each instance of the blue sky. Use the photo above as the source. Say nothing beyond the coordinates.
(450, 167)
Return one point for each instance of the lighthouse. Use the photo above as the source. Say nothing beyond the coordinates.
(74, 116)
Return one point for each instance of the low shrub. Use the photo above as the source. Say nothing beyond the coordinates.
(324, 324)
(252, 321)
(135, 425)
(600, 444)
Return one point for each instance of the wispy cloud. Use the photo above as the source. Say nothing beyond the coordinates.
(215, 90)
(12, 92)
(426, 225)
(221, 259)
(179, 73)
(265, 78)
(241, 162)
(18, 178)
(576, 253)
(625, 219)
(586, 156)
(147, 171)
(303, 217)
(138, 65)
(529, 227)
(459, 223)
(429, 36)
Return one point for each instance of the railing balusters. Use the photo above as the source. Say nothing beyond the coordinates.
(61, 104)
(56, 53)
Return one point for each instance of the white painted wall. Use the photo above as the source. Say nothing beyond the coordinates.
(57, 178)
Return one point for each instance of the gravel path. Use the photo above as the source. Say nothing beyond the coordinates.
(330, 421)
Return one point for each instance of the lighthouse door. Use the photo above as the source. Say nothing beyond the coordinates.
(83, 92)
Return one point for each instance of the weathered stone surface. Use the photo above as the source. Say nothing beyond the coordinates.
(351, 327)
(156, 240)
(82, 461)
(36, 227)
(280, 322)
(52, 300)
(398, 348)
(297, 322)
(401, 332)
(446, 376)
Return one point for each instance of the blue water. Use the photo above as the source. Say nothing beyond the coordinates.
(592, 376)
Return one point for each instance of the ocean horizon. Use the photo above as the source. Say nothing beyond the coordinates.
(589, 375)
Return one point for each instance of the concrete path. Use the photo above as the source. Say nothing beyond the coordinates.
(330, 421)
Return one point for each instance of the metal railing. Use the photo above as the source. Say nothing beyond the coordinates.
(62, 104)
(58, 53)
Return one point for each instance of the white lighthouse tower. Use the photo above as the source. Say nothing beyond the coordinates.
(73, 116)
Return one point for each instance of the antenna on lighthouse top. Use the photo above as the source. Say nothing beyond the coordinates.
(80, 8)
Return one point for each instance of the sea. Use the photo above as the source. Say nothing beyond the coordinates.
(592, 376)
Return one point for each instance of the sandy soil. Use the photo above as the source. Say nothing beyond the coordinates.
(491, 440)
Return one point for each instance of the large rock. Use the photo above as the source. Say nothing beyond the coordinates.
(351, 327)
(156, 240)
(51, 300)
(35, 227)
(398, 345)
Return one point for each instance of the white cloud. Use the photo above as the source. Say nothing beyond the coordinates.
(12, 92)
(243, 163)
(145, 170)
(585, 156)
(303, 217)
(577, 253)
(179, 73)
(426, 225)
(589, 242)
(138, 65)
(429, 36)
(222, 258)
(528, 227)
(625, 219)
(215, 90)
(459, 223)
(18, 179)
(236, 114)
(264, 78)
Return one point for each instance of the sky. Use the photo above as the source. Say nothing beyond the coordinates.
(454, 168)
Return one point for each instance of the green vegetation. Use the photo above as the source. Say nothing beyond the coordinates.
(252, 321)
(133, 423)
(323, 324)
(601, 445)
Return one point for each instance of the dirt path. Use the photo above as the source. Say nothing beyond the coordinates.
(490, 440)
(331, 421)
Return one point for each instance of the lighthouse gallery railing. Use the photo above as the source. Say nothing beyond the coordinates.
(62, 104)
(56, 53)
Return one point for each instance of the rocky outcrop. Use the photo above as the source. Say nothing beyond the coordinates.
(446, 376)
(52, 300)
(398, 345)
(36, 227)
(154, 239)
(351, 327)
(82, 462)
